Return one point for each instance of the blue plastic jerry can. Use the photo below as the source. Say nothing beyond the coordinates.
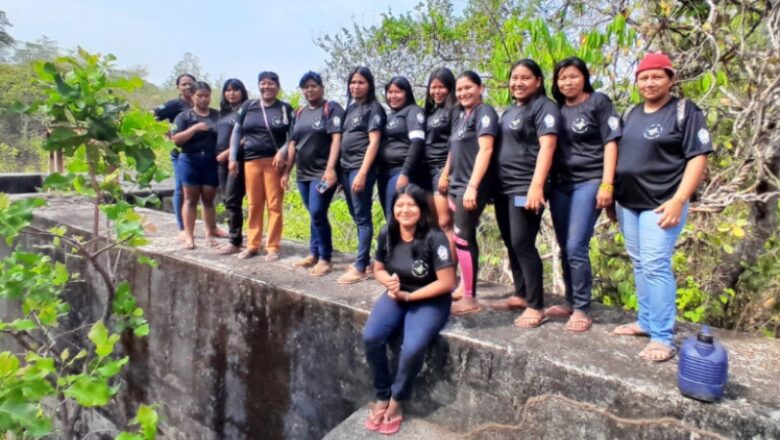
(704, 365)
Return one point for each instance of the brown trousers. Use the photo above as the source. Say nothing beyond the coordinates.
(263, 189)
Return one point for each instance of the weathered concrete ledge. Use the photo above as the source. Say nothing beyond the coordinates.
(247, 349)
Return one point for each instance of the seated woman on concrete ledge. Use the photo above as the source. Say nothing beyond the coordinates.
(414, 263)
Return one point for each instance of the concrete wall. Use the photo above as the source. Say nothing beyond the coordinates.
(253, 350)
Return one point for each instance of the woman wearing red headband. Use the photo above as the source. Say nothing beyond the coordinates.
(661, 160)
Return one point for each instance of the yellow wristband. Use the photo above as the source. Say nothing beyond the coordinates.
(607, 187)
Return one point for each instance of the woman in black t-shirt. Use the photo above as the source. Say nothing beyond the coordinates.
(195, 132)
(261, 130)
(363, 124)
(414, 263)
(169, 111)
(441, 111)
(529, 130)
(471, 148)
(661, 161)
(398, 161)
(582, 178)
(314, 149)
(234, 94)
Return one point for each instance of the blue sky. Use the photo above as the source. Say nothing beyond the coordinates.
(231, 41)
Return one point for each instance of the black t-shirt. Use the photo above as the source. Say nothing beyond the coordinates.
(201, 141)
(584, 130)
(312, 132)
(257, 138)
(653, 153)
(359, 120)
(438, 128)
(402, 128)
(170, 109)
(464, 144)
(224, 130)
(521, 127)
(415, 263)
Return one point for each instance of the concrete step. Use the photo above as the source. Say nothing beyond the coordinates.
(413, 428)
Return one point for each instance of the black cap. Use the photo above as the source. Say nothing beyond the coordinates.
(705, 336)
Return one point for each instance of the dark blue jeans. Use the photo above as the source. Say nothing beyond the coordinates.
(359, 205)
(574, 214)
(321, 241)
(385, 185)
(420, 322)
(178, 191)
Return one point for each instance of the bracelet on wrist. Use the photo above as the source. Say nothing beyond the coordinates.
(607, 187)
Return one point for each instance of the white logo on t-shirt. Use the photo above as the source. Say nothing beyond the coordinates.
(580, 125)
(356, 120)
(485, 121)
(443, 253)
(390, 124)
(653, 131)
(704, 136)
(377, 119)
(613, 122)
(420, 269)
(336, 121)
(516, 123)
(317, 124)
(420, 118)
(549, 121)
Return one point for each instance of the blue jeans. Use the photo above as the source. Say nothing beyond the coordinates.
(650, 249)
(178, 191)
(359, 205)
(421, 322)
(574, 214)
(385, 185)
(321, 241)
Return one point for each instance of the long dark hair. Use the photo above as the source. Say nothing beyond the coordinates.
(446, 77)
(423, 225)
(402, 83)
(234, 84)
(184, 75)
(577, 64)
(365, 72)
(535, 70)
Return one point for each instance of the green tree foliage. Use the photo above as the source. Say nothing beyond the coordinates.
(110, 146)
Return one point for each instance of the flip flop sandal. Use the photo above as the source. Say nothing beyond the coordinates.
(308, 261)
(632, 329)
(579, 325)
(351, 277)
(271, 256)
(322, 268)
(666, 352)
(247, 254)
(533, 322)
(509, 304)
(375, 419)
(390, 427)
(558, 311)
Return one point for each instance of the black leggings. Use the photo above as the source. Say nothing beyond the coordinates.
(519, 227)
(233, 197)
(465, 227)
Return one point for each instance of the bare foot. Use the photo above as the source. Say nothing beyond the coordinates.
(512, 303)
(467, 305)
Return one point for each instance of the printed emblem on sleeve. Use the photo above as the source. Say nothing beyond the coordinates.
(443, 253)
(485, 121)
(161, 107)
(549, 121)
(580, 125)
(653, 131)
(336, 121)
(377, 119)
(704, 136)
(613, 122)
(420, 269)
(420, 118)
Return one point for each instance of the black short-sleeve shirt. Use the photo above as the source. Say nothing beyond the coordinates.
(257, 138)
(401, 128)
(437, 135)
(170, 110)
(312, 133)
(224, 130)
(521, 127)
(584, 130)
(201, 141)
(359, 120)
(653, 153)
(482, 120)
(415, 263)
